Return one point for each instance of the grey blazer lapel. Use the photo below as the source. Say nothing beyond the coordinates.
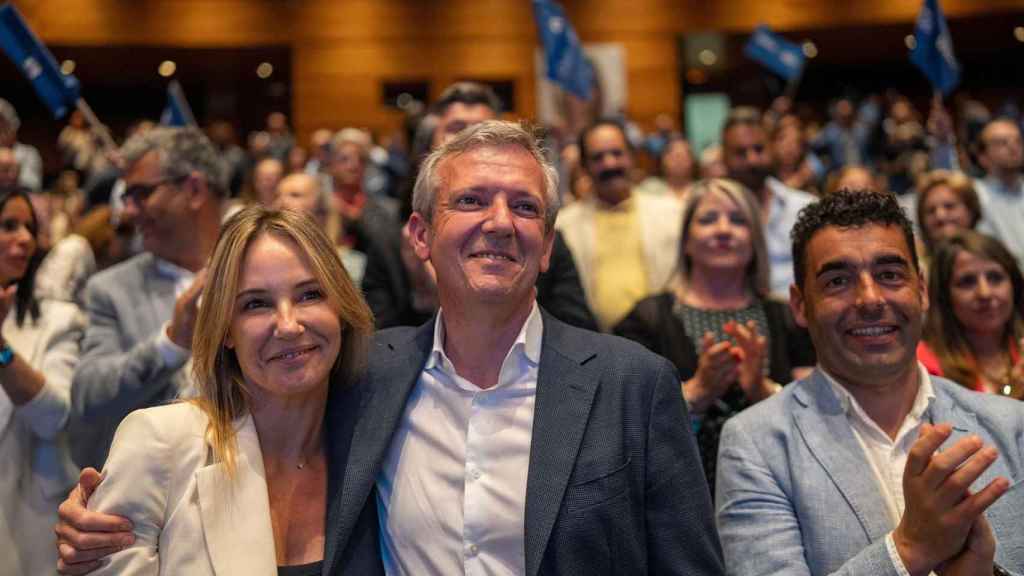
(566, 385)
(395, 369)
(828, 435)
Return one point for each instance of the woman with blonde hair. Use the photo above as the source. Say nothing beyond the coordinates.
(235, 481)
(946, 204)
(732, 345)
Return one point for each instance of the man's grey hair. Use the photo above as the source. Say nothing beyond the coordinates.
(182, 151)
(488, 134)
(9, 116)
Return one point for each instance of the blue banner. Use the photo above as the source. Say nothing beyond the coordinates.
(177, 112)
(564, 59)
(933, 51)
(58, 91)
(775, 53)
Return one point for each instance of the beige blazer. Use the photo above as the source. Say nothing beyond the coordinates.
(661, 219)
(189, 516)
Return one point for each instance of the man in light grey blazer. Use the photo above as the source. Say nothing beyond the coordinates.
(141, 311)
(869, 466)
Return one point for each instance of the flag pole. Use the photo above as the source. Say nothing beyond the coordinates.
(97, 127)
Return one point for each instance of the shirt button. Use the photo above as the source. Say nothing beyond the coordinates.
(473, 550)
(475, 474)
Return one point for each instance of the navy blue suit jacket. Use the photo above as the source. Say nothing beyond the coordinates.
(615, 484)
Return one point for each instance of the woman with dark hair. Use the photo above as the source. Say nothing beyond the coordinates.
(974, 330)
(38, 352)
(732, 345)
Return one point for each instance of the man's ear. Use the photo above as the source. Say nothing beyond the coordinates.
(549, 243)
(198, 190)
(419, 235)
(797, 305)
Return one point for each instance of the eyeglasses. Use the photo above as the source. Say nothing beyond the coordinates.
(138, 193)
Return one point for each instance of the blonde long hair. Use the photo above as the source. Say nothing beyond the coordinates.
(223, 395)
(758, 269)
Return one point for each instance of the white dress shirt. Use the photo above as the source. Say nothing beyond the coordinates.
(887, 456)
(452, 491)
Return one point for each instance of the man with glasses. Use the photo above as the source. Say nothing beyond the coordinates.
(1001, 191)
(141, 312)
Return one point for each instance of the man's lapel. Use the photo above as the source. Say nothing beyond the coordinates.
(235, 510)
(824, 427)
(360, 435)
(566, 384)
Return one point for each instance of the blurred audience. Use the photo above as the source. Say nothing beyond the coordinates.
(748, 160)
(946, 204)
(1001, 190)
(675, 168)
(30, 163)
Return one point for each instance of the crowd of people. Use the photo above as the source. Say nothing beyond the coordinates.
(484, 347)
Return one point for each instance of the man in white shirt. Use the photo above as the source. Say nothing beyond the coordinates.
(842, 473)
(496, 439)
(141, 311)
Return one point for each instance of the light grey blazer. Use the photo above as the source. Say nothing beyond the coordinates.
(796, 494)
(190, 516)
(37, 471)
(121, 367)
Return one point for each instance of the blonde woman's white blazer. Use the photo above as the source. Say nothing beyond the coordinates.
(189, 516)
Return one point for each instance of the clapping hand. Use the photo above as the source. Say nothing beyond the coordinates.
(941, 520)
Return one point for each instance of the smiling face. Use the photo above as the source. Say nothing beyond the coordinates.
(863, 303)
(608, 161)
(981, 294)
(945, 213)
(163, 216)
(284, 332)
(718, 237)
(487, 239)
(17, 239)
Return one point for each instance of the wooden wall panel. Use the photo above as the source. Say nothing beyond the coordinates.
(343, 49)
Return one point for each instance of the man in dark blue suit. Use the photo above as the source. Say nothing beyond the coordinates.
(496, 439)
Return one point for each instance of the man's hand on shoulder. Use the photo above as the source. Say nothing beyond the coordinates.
(84, 536)
(942, 514)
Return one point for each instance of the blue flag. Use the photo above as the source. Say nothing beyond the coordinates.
(775, 53)
(58, 91)
(564, 59)
(933, 52)
(177, 112)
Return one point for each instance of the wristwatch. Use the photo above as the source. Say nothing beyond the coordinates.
(998, 570)
(6, 355)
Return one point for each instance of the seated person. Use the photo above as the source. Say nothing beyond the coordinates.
(730, 342)
(842, 472)
(974, 332)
